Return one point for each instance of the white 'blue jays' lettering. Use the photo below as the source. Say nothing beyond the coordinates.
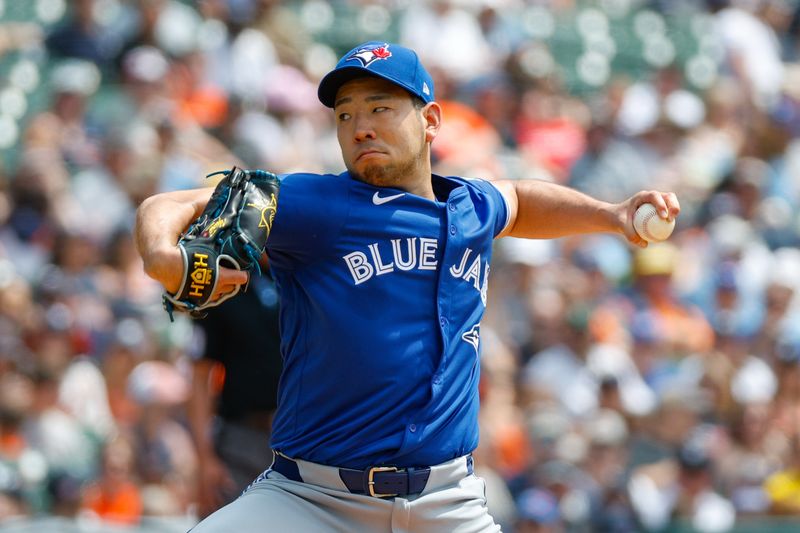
(363, 267)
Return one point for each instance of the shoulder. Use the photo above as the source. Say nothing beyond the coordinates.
(311, 210)
(303, 188)
(472, 182)
(490, 201)
(481, 188)
(300, 179)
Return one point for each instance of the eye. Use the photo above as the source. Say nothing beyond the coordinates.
(344, 116)
(380, 109)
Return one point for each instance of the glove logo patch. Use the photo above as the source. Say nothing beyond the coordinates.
(266, 220)
(201, 275)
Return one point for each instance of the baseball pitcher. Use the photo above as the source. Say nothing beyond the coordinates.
(383, 272)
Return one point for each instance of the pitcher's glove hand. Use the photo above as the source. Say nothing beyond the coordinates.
(232, 231)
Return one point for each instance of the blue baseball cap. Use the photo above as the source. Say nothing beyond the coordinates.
(392, 62)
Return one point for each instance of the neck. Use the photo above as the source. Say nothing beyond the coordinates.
(414, 179)
(422, 187)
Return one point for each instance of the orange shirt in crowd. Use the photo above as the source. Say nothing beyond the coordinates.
(122, 504)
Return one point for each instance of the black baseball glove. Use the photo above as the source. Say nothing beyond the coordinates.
(232, 231)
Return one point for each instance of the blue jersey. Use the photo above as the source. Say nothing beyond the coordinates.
(382, 293)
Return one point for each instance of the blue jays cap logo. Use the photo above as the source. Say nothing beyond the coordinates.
(403, 69)
(368, 55)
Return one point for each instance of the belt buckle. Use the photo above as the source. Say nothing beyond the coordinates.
(371, 482)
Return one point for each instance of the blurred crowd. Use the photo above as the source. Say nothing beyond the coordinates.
(622, 389)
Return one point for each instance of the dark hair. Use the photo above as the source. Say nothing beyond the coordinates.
(418, 102)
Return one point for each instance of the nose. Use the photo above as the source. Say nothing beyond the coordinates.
(363, 130)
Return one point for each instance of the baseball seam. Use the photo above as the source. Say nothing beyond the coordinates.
(645, 222)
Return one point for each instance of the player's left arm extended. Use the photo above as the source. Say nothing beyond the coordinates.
(544, 210)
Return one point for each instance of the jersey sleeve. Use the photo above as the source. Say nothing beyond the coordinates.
(494, 203)
(311, 211)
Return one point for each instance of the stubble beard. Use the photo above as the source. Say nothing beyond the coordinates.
(392, 175)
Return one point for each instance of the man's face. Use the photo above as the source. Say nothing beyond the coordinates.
(381, 133)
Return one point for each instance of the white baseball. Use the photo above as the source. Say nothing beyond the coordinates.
(650, 226)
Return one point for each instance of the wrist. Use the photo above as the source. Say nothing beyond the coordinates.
(616, 217)
(165, 265)
(603, 218)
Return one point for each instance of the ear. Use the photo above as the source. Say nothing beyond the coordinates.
(432, 115)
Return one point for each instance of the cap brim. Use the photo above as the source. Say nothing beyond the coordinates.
(330, 84)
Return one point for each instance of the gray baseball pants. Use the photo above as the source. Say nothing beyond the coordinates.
(453, 501)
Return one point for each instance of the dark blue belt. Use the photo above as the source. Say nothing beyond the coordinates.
(377, 481)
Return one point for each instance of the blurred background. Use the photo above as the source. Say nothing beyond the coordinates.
(622, 390)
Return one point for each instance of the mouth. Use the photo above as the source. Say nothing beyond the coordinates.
(367, 153)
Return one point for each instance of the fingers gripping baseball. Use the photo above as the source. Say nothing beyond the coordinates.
(650, 217)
